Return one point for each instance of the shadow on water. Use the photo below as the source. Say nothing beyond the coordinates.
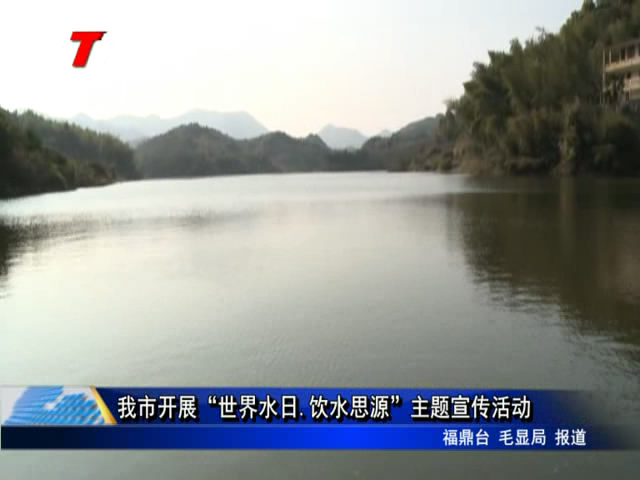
(5, 245)
(15, 240)
(570, 243)
(21, 235)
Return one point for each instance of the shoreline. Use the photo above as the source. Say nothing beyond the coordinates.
(460, 170)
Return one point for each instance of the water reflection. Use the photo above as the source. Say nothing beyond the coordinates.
(573, 243)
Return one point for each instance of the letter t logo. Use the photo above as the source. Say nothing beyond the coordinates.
(86, 40)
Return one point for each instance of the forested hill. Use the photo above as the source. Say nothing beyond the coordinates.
(27, 166)
(535, 107)
(82, 144)
(193, 150)
(406, 149)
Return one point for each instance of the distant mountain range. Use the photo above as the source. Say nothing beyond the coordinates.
(133, 129)
(219, 143)
(39, 154)
(193, 150)
(238, 125)
(343, 138)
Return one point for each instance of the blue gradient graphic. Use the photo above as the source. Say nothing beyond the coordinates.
(51, 406)
(559, 420)
(286, 437)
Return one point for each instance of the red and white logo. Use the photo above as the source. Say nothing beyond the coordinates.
(86, 39)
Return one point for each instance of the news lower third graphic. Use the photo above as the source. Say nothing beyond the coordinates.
(56, 417)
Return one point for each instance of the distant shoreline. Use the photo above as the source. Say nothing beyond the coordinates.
(457, 171)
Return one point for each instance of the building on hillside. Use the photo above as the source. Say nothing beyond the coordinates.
(621, 74)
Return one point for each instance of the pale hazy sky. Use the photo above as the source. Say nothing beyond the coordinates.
(295, 65)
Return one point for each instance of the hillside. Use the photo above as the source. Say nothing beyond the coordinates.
(29, 167)
(536, 107)
(405, 148)
(341, 138)
(239, 125)
(81, 144)
(188, 151)
(194, 150)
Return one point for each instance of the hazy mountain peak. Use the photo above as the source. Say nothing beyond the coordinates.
(81, 116)
(342, 137)
(240, 125)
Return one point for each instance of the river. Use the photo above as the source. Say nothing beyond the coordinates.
(355, 279)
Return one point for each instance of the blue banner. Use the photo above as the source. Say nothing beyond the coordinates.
(306, 418)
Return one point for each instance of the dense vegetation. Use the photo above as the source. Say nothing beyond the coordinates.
(193, 150)
(536, 108)
(27, 166)
(41, 155)
(81, 144)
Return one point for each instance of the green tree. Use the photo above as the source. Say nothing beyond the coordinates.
(535, 108)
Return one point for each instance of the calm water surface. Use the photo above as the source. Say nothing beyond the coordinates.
(366, 279)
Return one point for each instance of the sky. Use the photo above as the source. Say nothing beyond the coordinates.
(294, 65)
